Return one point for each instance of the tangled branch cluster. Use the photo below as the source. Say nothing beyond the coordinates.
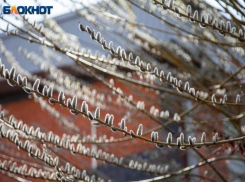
(170, 87)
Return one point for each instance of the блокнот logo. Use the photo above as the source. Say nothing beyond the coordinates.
(27, 10)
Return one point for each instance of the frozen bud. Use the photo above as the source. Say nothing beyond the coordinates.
(137, 60)
(197, 94)
(194, 140)
(36, 85)
(192, 91)
(111, 82)
(50, 136)
(98, 36)
(156, 136)
(140, 130)
(125, 129)
(31, 129)
(84, 174)
(30, 148)
(188, 9)
(153, 136)
(52, 101)
(19, 126)
(15, 136)
(152, 110)
(132, 133)
(73, 170)
(6, 74)
(215, 138)
(190, 140)
(67, 167)
(176, 117)
(131, 164)
(50, 91)
(2, 69)
(27, 90)
(74, 112)
(90, 115)
(58, 175)
(95, 123)
(138, 105)
(156, 71)
(45, 91)
(81, 27)
(110, 45)
(161, 75)
(97, 113)
(130, 56)
(183, 148)
(176, 9)
(12, 73)
(74, 102)
(61, 96)
(162, 114)
(104, 45)
(123, 124)
(2, 114)
(68, 102)
(187, 86)
(203, 139)
(120, 160)
(123, 54)
(238, 98)
(148, 67)
(178, 142)
(160, 146)
(111, 119)
(241, 33)
(195, 16)
(224, 99)
(203, 20)
(92, 35)
(214, 23)
(213, 98)
(169, 138)
(93, 178)
(113, 128)
(166, 114)
(168, 76)
(164, 6)
(78, 173)
(11, 82)
(37, 153)
(179, 83)
(228, 26)
(171, 4)
(182, 138)
(88, 29)
(118, 50)
(222, 27)
(209, 19)
(84, 107)
(26, 144)
(107, 116)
